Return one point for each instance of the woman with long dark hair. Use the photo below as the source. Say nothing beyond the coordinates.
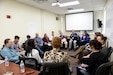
(32, 52)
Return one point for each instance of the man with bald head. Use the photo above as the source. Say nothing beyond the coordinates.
(39, 41)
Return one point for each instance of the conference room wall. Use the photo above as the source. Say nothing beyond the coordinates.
(108, 4)
(24, 20)
(97, 15)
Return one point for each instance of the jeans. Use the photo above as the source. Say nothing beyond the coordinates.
(40, 51)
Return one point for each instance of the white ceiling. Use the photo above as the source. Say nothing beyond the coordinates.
(88, 5)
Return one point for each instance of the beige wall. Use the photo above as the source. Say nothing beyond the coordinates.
(108, 4)
(25, 20)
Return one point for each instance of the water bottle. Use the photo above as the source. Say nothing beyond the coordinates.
(6, 61)
(22, 67)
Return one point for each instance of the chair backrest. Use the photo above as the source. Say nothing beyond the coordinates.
(104, 69)
(107, 44)
(24, 46)
(110, 50)
(60, 68)
(31, 63)
(1, 55)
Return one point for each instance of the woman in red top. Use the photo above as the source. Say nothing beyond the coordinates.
(46, 38)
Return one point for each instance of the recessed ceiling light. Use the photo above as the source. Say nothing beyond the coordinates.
(75, 10)
(69, 3)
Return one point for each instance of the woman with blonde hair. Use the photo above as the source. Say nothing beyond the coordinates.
(56, 55)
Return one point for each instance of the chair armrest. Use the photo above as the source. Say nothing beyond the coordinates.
(70, 69)
(84, 72)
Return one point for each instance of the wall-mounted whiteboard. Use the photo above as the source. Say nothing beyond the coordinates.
(109, 22)
(79, 21)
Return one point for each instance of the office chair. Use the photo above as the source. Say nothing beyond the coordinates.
(105, 69)
(110, 50)
(107, 44)
(60, 68)
(31, 63)
(1, 56)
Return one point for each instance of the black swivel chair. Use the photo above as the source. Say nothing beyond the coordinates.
(105, 69)
(1, 56)
(55, 69)
(110, 50)
(31, 63)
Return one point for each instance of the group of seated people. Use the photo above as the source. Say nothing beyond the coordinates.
(94, 52)
(74, 41)
(92, 55)
(33, 48)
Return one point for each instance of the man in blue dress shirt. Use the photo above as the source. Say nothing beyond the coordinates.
(8, 51)
(39, 42)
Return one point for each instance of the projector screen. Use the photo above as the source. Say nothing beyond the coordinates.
(79, 21)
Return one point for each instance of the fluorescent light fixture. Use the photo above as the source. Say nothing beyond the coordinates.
(69, 3)
(58, 3)
(55, 4)
(75, 10)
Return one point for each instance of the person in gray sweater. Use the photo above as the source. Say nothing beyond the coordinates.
(102, 39)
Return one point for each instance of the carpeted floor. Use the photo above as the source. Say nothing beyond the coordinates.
(72, 61)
